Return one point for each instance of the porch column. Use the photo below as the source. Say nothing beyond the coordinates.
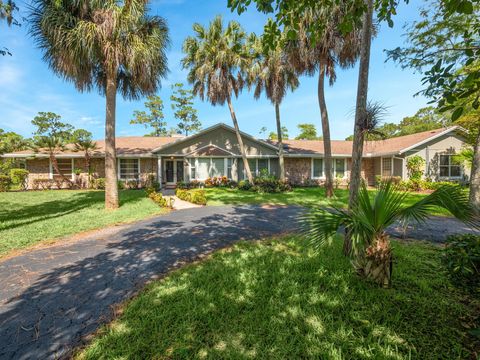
(159, 171)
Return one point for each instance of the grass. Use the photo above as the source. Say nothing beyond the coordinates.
(276, 300)
(27, 218)
(312, 196)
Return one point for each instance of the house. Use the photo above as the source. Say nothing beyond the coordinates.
(215, 152)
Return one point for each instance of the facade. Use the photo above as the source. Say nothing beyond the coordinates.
(215, 152)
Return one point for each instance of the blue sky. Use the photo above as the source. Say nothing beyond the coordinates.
(28, 86)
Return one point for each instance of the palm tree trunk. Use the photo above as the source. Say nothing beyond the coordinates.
(475, 177)
(360, 114)
(281, 160)
(327, 145)
(111, 187)
(240, 140)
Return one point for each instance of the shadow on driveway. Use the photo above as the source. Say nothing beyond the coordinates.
(52, 298)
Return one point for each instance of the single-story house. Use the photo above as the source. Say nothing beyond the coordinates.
(214, 151)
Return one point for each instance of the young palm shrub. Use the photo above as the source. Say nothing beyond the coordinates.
(368, 220)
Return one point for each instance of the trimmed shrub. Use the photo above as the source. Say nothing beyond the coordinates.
(98, 184)
(19, 177)
(244, 185)
(5, 183)
(462, 261)
(158, 199)
(195, 196)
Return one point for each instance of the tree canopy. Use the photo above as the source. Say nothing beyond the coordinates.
(11, 142)
(154, 117)
(273, 135)
(184, 112)
(307, 132)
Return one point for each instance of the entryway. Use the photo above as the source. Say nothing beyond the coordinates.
(173, 171)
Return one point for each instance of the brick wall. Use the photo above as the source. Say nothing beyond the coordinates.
(40, 169)
(367, 171)
(298, 170)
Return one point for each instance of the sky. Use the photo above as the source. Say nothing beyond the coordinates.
(28, 86)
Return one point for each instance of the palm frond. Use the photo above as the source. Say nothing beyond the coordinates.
(320, 225)
(450, 197)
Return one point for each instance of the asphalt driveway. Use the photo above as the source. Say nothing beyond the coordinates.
(51, 298)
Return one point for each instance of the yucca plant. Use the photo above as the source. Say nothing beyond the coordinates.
(368, 220)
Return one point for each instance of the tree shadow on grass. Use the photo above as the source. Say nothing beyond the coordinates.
(73, 287)
(18, 216)
(274, 300)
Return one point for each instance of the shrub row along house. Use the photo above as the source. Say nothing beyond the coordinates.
(215, 152)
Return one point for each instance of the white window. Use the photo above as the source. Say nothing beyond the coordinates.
(129, 169)
(217, 167)
(229, 168)
(193, 172)
(318, 168)
(256, 167)
(386, 166)
(203, 168)
(449, 167)
(339, 168)
(65, 166)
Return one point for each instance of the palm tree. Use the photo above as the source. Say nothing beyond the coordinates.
(109, 45)
(368, 220)
(217, 58)
(361, 104)
(331, 49)
(271, 72)
(82, 141)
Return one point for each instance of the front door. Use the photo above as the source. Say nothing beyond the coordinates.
(179, 170)
(169, 171)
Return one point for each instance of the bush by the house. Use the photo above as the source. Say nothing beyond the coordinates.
(159, 199)
(5, 182)
(19, 177)
(194, 184)
(43, 184)
(217, 181)
(422, 185)
(244, 185)
(415, 166)
(195, 196)
(462, 260)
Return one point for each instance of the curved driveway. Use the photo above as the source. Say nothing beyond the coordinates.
(51, 298)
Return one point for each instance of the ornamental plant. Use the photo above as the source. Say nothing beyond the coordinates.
(415, 166)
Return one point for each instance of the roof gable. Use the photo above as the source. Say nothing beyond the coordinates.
(221, 136)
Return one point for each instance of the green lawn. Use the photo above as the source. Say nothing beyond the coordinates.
(299, 196)
(277, 300)
(27, 218)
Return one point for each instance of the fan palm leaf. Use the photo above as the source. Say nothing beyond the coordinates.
(113, 46)
(368, 221)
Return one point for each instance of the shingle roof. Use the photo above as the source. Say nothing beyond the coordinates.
(129, 145)
(144, 145)
(380, 147)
